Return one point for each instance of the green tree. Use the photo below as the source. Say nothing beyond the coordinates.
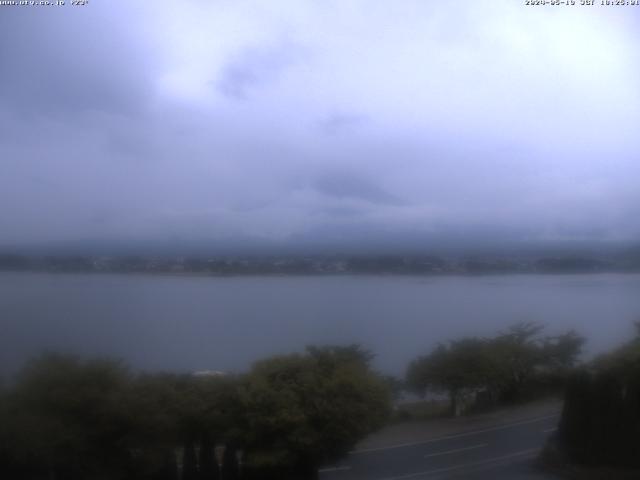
(600, 423)
(457, 369)
(562, 352)
(304, 409)
(181, 412)
(623, 361)
(516, 354)
(501, 368)
(66, 418)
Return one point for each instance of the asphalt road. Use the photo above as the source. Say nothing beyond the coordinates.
(503, 451)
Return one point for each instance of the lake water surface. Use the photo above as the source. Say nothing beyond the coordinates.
(194, 323)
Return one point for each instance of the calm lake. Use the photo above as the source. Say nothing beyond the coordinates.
(195, 323)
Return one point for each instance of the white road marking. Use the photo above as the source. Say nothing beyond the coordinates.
(334, 469)
(449, 437)
(447, 452)
(489, 461)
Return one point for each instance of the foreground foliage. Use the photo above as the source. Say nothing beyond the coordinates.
(67, 418)
(302, 410)
(600, 422)
(504, 368)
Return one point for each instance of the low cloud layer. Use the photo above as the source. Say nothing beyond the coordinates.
(223, 120)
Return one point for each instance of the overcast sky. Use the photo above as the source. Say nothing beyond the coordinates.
(286, 120)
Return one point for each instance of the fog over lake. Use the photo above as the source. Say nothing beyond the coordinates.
(225, 323)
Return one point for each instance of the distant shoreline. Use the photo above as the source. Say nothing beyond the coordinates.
(422, 265)
(322, 274)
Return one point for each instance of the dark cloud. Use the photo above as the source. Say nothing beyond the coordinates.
(339, 122)
(341, 212)
(252, 68)
(350, 186)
